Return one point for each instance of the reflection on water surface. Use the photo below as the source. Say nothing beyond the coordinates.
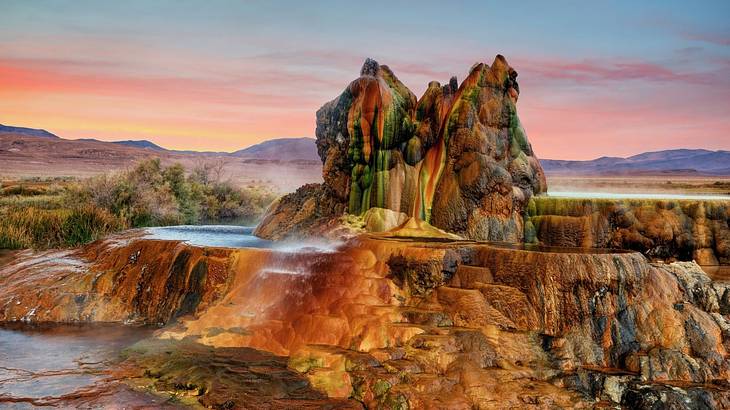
(67, 366)
(210, 235)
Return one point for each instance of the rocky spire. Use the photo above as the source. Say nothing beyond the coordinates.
(369, 67)
(458, 158)
(453, 84)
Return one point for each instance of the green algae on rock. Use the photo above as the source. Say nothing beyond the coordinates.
(661, 229)
(223, 378)
(458, 158)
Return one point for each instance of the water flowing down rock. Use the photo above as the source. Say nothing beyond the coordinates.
(457, 158)
(397, 322)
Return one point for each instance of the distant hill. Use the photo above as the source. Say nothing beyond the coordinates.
(23, 156)
(667, 162)
(31, 132)
(140, 144)
(144, 144)
(675, 161)
(282, 149)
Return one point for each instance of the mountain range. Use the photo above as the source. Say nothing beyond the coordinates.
(279, 149)
(281, 165)
(33, 132)
(299, 148)
(667, 162)
(673, 161)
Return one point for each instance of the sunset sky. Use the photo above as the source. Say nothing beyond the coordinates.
(596, 78)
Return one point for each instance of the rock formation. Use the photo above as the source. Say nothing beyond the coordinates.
(120, 280)
(390, 322)
(457, 158)
(666, 230)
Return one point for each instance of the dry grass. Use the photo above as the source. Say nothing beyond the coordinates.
(64, 213)
(32, 227)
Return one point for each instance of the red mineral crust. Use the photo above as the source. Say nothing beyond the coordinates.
(393, 322)
(457, 158)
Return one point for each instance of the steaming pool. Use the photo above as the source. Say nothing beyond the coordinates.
(228, 236)
(225, 236)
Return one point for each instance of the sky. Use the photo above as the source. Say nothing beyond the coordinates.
(596, 78)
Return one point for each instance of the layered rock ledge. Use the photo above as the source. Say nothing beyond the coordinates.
(401, 323)
(667, 230)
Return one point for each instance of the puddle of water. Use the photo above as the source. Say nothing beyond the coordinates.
(615, 195)
(719, 273)
(227, 236)
(210, 235)
(66, 366)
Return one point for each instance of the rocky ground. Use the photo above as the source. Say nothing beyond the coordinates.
(388, 322)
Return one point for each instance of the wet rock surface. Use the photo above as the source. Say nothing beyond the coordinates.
(224, 378)
(389, 322)
(457, 158)
(667, 230)
(125, 279)
(69, 366)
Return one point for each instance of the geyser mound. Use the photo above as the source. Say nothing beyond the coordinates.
(457, 158)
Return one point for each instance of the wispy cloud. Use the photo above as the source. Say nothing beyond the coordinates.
(613, 70)
(721, 38)
(262, 87)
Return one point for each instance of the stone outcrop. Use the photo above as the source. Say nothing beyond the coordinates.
(392, 322)
(457, 158)
(312, 210)
(125, 279)
(666, 230)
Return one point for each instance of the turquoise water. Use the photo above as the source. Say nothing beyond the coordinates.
(226, 236)
(211, 235)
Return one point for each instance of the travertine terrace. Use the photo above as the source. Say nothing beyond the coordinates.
(401, 323)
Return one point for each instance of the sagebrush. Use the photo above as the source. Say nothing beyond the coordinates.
(34, 215)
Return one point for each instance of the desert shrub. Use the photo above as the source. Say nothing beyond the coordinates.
(87, 223)
(37, 201)
(224, 202)
(30, 188)
(19, 190)
(15, 237)
(153, 195)
(150, 194)
(141, 197)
